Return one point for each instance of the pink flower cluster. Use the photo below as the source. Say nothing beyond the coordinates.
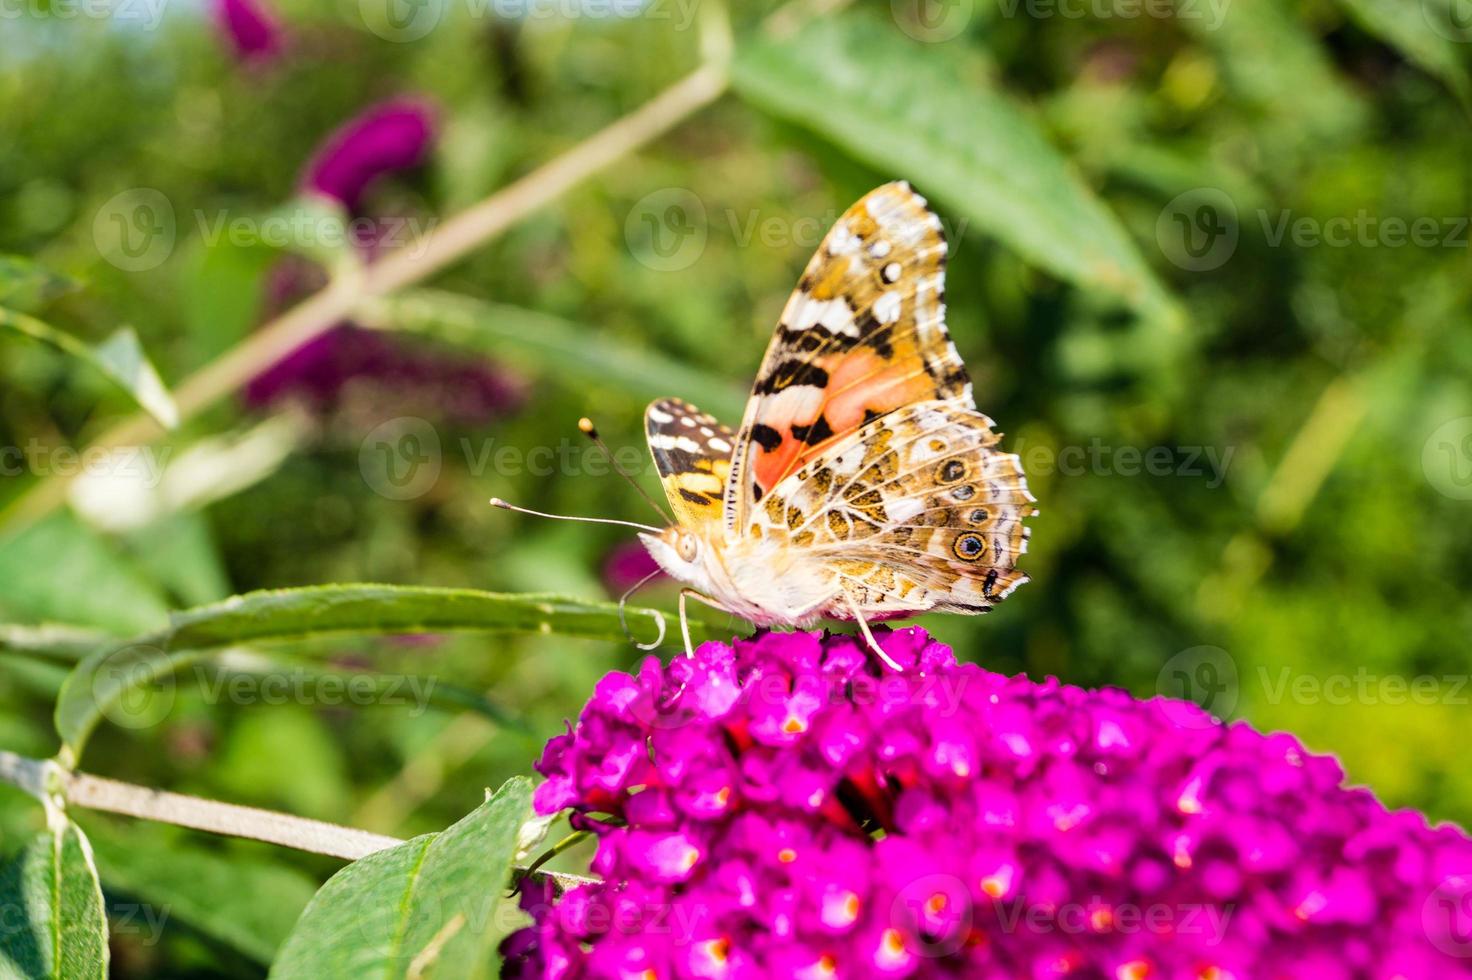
(786, 807)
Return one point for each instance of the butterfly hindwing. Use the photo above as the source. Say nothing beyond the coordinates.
(863, 335)
(692, 455)
(915, 510)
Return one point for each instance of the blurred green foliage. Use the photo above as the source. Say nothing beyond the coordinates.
(1193, 232)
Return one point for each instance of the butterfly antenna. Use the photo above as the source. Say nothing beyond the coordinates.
(585, 424)
(498, 502)
(623, 601)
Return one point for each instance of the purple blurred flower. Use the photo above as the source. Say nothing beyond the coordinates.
(394, 135)
(363, 374)
(392, 378)
(786, 807)
(251, 27)
(627, 565)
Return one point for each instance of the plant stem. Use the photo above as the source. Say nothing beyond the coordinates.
(451, 241)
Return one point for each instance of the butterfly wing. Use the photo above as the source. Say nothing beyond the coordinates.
(692, 455)
(913, 511)
(863, 335)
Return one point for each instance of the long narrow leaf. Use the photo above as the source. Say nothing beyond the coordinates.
(53, 924)
(97, 686)
(913, 111)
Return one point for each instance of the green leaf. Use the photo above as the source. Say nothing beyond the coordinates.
(26, 286)
(1422, 30)
(53, 920)
(95, 688)
(917, 111)
(120, 359)
(221, 294)
(538, 342)
(180, 553)
(287, 614)
(62, 572)
(427, 908)
(1273, 62)
(247, 904)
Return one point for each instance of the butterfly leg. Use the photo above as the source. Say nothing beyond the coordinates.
(869, 638)
(684, 620)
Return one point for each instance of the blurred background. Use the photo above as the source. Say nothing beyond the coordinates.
(1209, 271)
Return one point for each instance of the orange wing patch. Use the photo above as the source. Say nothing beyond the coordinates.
(863, 335)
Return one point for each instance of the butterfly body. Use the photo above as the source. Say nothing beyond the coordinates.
(763, 581)
(863, 483)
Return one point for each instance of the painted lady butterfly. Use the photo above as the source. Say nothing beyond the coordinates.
(863, 483)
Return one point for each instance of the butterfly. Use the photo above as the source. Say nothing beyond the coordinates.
(862, 484)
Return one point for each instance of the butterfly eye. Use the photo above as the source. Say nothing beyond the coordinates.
(686, 546)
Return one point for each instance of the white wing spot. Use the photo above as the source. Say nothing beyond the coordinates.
(683, 443)
(663, 418)
(887, 308)
(891, 272)
(720, 445)
(842, 241)
(904, 509)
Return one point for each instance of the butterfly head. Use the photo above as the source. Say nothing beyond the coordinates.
(682, 554)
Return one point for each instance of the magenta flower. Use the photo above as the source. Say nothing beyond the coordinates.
(787, 807)
(394, 135)
(251, 27)
(366, 377)
(362, 376)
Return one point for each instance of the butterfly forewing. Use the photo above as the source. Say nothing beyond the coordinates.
(863, 334)
(692, 455)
